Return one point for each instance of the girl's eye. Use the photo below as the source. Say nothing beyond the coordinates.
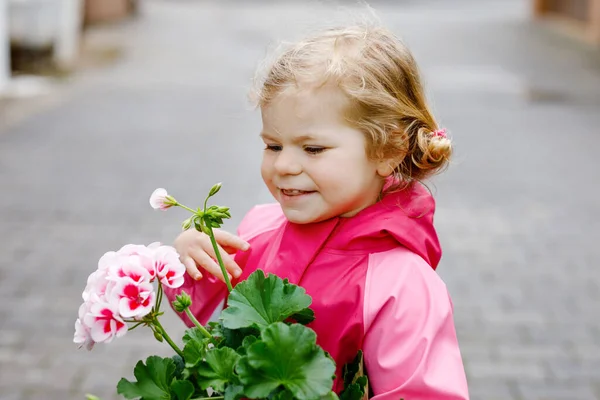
(314, 150)
(273, 147)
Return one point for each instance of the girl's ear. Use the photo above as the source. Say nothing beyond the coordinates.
(385, 168)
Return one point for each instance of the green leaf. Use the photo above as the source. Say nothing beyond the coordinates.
(195, 346)
(153, 380)
(356, 390)
(215, 328)
(234, 338)
(330, 396)
(303, 317)
(217, 369)
(248, 341)
(179, 366)
(184, 390)
(286, 355)
(260, 301)
(234, 392)
(352, 369)
(282, 395)
(355, 382)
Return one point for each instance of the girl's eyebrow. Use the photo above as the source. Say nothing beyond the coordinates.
(265, 135)
(297, 139)
(305, 138)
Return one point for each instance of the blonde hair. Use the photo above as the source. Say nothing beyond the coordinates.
(380, 77)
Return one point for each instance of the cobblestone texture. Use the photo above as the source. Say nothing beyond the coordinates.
(518, 211)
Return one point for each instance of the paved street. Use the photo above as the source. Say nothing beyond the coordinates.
(518, 211)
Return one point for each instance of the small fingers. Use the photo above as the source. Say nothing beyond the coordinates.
(230, 241)
(191, 268)
(228, 262)
(208, 263)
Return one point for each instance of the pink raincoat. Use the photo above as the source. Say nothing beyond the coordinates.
(373, 285)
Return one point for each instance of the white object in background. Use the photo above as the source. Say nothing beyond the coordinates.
(33, 23)
(28, 86)
(70, 19)
(4, 47)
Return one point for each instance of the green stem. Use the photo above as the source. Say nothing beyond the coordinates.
(187, 208)
(206, 202)
(167, 337)
(135, 326)
(159, 296)
(219, 259)
(209, 398)
(198, 325)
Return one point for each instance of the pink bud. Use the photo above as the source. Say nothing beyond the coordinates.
(160, 199)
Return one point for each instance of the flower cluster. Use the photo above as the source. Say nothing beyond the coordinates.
(121, 290)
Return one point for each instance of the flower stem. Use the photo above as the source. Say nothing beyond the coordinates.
(159, 296)
(167, 337)
(135, 326)
(187, 208)
(209, 398)
(206, 202)
(198, 325)
(219, 259)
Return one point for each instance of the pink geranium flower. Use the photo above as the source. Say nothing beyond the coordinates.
(121, 289)
(83, 335)
(104, 322)
(97, 284)
(108, 259)
(169, 268)
(135, 300)
(133, 268)
(145, 255)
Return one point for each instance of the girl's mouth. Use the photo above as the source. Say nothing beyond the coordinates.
(295, 192)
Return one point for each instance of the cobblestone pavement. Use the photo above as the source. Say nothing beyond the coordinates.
(518, 210)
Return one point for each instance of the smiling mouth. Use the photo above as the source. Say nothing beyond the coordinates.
(295, 192)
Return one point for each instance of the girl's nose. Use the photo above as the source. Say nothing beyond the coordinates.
(287, 164)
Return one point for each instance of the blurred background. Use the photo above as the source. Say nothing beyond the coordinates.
(102, 101)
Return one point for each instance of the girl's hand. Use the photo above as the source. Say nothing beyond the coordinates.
(195, 249)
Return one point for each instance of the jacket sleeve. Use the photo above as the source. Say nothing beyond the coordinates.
(410, 346)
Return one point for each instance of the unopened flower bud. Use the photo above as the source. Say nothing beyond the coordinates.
(214, 189)
(158, 336)
(187, 223)
(182, 302)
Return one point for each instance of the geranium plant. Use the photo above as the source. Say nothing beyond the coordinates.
(260, 347)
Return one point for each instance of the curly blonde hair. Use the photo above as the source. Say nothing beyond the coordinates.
(380, 77)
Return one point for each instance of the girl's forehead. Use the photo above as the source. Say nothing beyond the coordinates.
(308, 104)
(307, 116)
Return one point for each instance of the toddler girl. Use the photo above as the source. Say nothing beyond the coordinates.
(348, 140)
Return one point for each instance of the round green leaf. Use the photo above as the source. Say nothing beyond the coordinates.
(261, 301)
(195, 346)
(286, 355)
(153, 380)
(183, 390)
(217, 369)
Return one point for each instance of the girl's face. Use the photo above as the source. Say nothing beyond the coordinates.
(314, 163)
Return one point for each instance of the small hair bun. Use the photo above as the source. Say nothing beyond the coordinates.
(434, 151)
